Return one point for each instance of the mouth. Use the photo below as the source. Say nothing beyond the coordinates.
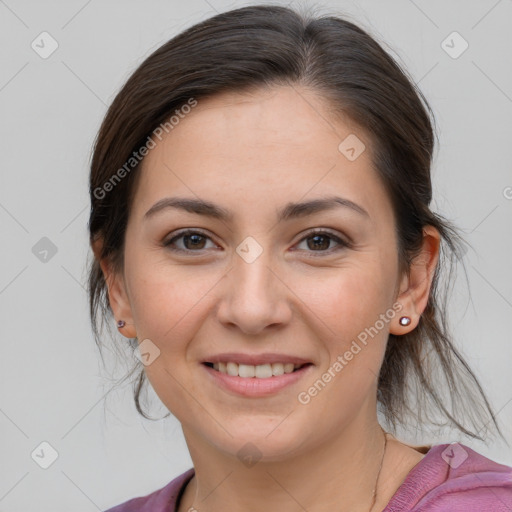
(260, 371)
(256, 380)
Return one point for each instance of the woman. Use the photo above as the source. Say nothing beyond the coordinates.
(261, 227)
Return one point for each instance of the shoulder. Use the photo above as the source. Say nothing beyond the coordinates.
(454, 477)
(161, 500)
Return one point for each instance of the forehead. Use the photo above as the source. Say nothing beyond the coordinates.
(266, 146)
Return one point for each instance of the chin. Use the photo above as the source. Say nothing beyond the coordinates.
(262, 441)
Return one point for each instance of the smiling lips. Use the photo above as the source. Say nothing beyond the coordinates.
(260, 371)
(257, 375)
(261, 366)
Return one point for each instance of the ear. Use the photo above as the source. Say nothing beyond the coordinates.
(415, 287)
(117, 296)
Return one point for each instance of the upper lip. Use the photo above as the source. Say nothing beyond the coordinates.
(255, 359)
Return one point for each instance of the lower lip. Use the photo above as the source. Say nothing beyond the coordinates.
(254, 387)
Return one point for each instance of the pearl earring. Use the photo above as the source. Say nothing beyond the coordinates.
(405, 320)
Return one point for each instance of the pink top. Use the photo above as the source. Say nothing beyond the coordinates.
(449, 478)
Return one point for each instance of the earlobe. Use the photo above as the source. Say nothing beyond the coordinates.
(405, 320)
(119, 301)
(415, 287)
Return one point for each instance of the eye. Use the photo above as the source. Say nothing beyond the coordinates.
(192, 239)
(321, 240)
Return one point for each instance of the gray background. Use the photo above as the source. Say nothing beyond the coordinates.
(53, 387)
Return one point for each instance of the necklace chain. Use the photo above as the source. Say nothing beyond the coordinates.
(374, 497)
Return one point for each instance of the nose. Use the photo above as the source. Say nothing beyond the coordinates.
(254, 296)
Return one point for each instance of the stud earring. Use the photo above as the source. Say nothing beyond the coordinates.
(121, 323)
(405, 320)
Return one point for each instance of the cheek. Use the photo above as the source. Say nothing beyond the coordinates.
(167, 305)
(349, 298)
(349, 303)
(168, 300)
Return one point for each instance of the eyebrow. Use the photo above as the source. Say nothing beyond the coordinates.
(288, 212)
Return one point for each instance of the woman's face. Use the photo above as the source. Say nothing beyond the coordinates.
(257, 282)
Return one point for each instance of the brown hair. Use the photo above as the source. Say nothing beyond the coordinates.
(264, 45)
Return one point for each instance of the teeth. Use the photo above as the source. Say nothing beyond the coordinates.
(263, 371)
(260, 371)
(247, 370)
(232, 369)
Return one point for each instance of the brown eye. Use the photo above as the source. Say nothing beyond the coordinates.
(321, 241)
(192, 241)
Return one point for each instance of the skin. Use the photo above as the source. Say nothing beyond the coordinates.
(252, 153)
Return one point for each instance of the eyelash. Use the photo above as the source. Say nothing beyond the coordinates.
(341, 243)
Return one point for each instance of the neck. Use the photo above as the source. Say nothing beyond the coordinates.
(339, 474)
